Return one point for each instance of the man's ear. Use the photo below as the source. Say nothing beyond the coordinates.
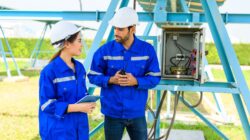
(133, 29)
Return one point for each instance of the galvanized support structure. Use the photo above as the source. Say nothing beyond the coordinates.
(8, 52)
(236, 83)
(37, 49)
(99, 15)
(229, 60)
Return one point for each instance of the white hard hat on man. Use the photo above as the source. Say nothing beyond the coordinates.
(61, 31)
(124, 17)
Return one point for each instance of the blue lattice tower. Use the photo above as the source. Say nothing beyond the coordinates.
(236, 83)
(37, 48)
(8, 52)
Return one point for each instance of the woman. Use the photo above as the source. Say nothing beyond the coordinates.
(62, 84)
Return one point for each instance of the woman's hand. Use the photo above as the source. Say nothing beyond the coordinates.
(82, 107)
(87, 107)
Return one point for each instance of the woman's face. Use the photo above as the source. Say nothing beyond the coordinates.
(75, 48)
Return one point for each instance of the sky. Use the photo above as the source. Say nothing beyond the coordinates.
(237, 32)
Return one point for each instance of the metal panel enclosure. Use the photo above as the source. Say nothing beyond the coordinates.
(182, 53)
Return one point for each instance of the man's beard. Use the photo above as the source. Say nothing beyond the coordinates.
(120, 39)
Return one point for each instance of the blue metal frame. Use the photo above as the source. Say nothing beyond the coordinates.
(184, 6)
(36, 50)
(178, 85)
(158, 95)
(160, 13)
(99, 15)
(3, 53)
(100, 32)
(204, 119)
(4, 59)
(216, 96)
(147, 29)
(158, 100)
(124, 3)
(229, 60)
(236, 84)
(97, 41)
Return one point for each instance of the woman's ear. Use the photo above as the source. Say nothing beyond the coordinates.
(66, 44)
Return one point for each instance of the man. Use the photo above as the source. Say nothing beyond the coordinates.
(125, 69)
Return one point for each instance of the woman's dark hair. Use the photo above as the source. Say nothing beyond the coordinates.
(71, 39)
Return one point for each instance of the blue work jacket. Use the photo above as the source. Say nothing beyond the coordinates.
(59, 86)
(141, 61)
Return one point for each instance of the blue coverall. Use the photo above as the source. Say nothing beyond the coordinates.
(59, 86)
(141, 61)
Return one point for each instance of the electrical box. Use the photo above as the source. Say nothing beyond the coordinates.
(183, 53)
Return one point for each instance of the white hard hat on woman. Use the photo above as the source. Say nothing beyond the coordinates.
(61, 31)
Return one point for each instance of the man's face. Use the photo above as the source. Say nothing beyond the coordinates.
(122, 34)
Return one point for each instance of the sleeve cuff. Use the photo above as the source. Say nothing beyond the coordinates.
(106, 81)
(139, 83)
(61, 109)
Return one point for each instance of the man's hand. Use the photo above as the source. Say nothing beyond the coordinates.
(114, 79)
(123, 80)
(127, 80)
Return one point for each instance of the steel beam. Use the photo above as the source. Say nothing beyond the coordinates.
(229, 60)
(99, 15)
(37, 49)
(96, 129)
(172, 85)
(204, 119)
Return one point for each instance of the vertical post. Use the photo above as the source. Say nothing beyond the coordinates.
(184, 6)
(160, 9)
(100, 33)
(159, 15)
(158, 99)
(168, 105)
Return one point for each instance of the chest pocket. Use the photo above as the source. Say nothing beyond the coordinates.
(66, 90)
(138, 68)
(114, 66)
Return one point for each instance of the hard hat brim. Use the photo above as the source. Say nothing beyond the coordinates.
(78, 30)
(112, 23)
(59, 45)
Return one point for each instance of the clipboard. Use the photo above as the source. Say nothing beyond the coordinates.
(88, 98)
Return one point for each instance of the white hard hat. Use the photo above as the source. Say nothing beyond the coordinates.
(61, 31)
(124, 17)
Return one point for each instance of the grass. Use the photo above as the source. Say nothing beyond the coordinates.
(241, 51)
(19, 107)
(23, 47)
